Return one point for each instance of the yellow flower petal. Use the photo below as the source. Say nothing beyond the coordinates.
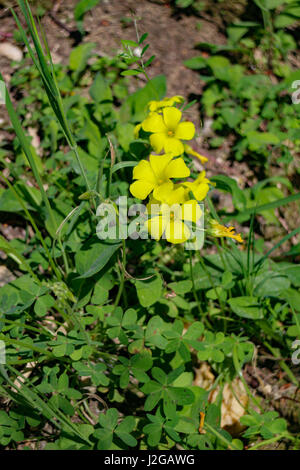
(158, 141)
(172, 117)
(191, 211)
(158, 164)
(176, 196)
(201, 178)
(156, 226)
(177, 99)
(153, 206)
(157, 105)
(191, 151)
(153, 105)
(173, 146)
(162, 192)
(141, 189)
(154, 123)
(218, 230)
(137, 131)
(185, 131)
(199, 187)
(144, 171)
(177, 232)
(177, 169)
(165, 211)
(200, 192)
(238, 238)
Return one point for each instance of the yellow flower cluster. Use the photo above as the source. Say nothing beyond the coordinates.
(166, 129)
(172, 201)
(175, 202)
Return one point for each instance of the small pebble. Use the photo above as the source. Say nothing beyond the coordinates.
(10, 51)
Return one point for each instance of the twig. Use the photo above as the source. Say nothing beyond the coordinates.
(60, 24)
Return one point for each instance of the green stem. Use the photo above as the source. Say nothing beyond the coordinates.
(270, 441)
(26, 148)
(238, 369)
(194, 287)
(212, 283)
(220, 251)
(122, 280)
(142, 63)
(25, 345)
(74, 147)
(76, 321)
(66, 263)
(14, 323)
(220, 436)
(296, 319)
(282, 364)
(38, 233)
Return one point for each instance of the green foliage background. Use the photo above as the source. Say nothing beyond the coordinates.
(102, 338)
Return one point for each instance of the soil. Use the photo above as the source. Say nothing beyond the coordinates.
(172, 37)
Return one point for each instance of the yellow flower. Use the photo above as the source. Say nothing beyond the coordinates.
(169, 194)
(157, 105)
(169, 219)
(136, 131)
(188, 149)
(218, 230)
(199, 187)
(167, 131)
(155, 175)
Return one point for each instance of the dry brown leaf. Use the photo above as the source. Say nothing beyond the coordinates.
(234, 398)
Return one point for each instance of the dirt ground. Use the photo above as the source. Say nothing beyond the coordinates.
(172, 38)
